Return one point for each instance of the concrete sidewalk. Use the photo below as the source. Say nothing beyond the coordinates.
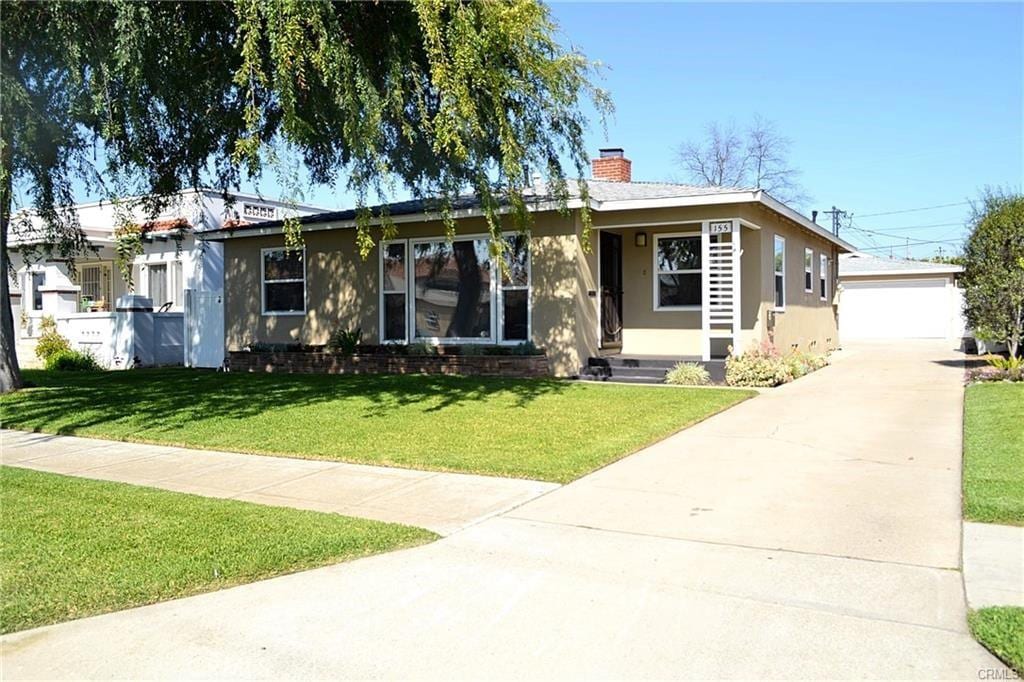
(441, 502)
(993, 565)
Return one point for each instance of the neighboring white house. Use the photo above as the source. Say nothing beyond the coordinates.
(891, 298)
(183, 277)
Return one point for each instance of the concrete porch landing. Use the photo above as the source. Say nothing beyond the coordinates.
(635, 368)
(441, 502)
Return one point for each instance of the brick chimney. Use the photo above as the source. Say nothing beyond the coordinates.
(612, 166)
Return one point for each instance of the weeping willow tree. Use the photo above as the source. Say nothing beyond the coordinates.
(432, 96)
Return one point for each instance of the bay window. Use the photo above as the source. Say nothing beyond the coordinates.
(283, 274)
(677, 272)
(440, 290)
(780, 272)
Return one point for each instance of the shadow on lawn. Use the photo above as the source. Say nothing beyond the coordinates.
(167, 398)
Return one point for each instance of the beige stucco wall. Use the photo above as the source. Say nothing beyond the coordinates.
(342, 289)
(807, 323)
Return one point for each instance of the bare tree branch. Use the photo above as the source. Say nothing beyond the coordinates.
(757, 158)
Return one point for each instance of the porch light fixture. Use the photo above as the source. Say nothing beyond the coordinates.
(640, 239)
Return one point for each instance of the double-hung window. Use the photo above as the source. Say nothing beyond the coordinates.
(515, 289)
(677, 272)
(435, 289)
(808, 271)
(780, 272)
(823, 276)
(394, 277)
(283, 273)
(37, 280)
(157, 276)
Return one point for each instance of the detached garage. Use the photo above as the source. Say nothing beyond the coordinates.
(886, 298)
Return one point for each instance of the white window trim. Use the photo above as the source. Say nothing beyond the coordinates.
(517, 287)
(263, 281)
(775, 273)
(497, 309)
(808, 270)
(656, 273)
(380, 279)
(823, 277)
(31, 289)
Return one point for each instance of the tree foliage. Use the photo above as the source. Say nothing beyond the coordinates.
(436, 96)
(757, 156)
(993, 277)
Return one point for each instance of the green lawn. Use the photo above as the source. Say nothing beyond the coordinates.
(994, 453)
(531, 428)
(1001, 630)
(74, 547)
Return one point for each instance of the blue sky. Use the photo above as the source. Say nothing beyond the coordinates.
(889, 106)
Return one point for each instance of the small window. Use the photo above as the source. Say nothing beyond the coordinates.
(394, 276)
(780, 273)
(158, 284)
(177, 290)
(38, 281)
(823, 277)
(677, 272)
(515, 289)
(808, 270)
(284, 281)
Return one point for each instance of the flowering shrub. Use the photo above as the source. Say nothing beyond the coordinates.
(764, 366)
(688, 374)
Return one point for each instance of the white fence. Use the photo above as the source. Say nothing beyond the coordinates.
(133, 336)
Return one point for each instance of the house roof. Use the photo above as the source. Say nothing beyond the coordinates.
(604, 196)
(860, 264)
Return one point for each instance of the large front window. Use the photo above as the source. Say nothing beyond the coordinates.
(455, 290)
(677, 266)
(284, 281)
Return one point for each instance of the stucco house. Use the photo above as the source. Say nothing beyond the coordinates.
(672, 270)
(174, 268)
(895, 298)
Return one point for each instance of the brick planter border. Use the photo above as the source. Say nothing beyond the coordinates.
(312, 362)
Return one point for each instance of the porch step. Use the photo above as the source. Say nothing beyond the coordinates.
(624, 379)
(662, 362)
(643, 369)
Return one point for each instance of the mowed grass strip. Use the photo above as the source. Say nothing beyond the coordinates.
(528, 428)
(1001, 630)
(994, 453)
(74, 547)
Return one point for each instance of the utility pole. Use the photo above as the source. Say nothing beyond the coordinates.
(837, 217)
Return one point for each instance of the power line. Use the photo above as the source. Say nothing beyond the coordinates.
(912, 244)
(911, 227)
(912, 210)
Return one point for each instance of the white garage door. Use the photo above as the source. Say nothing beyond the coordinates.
(904, 309)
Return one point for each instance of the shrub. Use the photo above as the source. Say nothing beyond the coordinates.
(761, 366)
(50, 342)
(345, 341)
(999, 369)
(71, 361)
(422, 348)
(688, 374)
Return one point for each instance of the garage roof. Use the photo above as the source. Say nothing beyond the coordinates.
(860, 264)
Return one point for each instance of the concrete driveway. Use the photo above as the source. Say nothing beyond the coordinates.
(811, 532)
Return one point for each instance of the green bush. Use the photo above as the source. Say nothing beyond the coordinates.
(761, 367)
(422, 348)
(50, 342)
(345, 341)
(71, 361)
(688, 374)
(1006, 369)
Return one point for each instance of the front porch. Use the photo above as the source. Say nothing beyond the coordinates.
(671, 291)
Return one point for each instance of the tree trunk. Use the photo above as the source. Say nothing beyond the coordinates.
(10, 373)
